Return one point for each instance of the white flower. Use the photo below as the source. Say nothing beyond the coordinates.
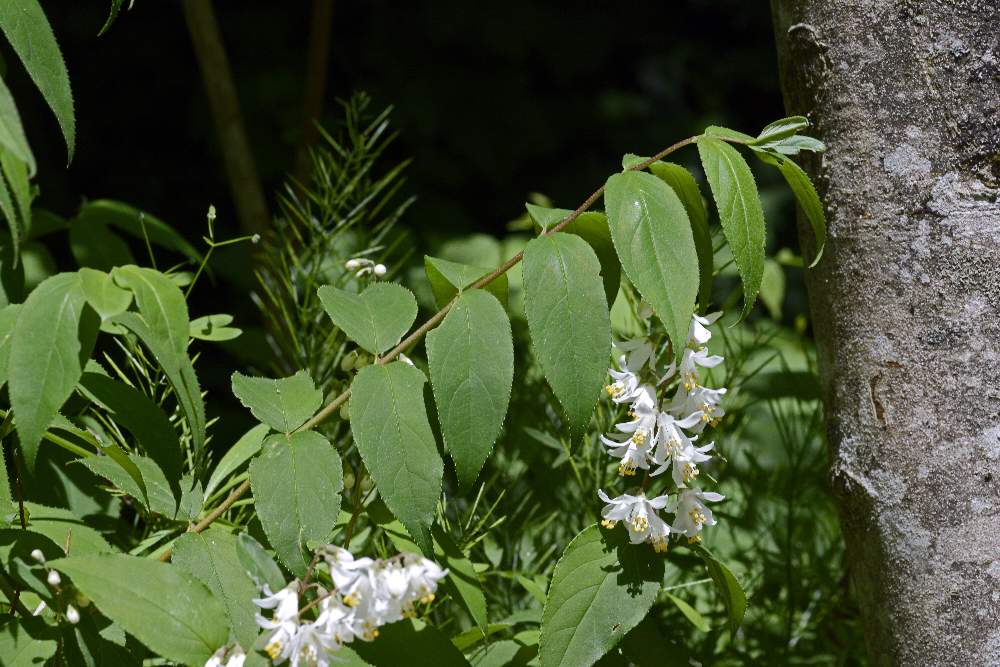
(671, 441)
(227, 656)
(54, 579)
(685, 463)
(284, 621)
(625, 386)
(691, 360)
(72, 615)
(312, 646)
(635, 354)
(691, 512)
(698, 335)
(702, 401)
(641, 431)
(640, 517)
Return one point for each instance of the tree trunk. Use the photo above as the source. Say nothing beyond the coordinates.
(906, 307)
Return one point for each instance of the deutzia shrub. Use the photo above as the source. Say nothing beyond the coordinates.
(357, 522)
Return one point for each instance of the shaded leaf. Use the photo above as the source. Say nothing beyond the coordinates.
(163, 606)
(283, 404)
(779, 129)
(8, 316)
(462, 581)
(471, 360)
(447, 278)
(141, 416)
(136, 223)
(733, 597)
(211, 556)
(257, 564)
(805, 195)
(376, 319)
(97, 247)
(602, 587)
(106, 298)
(24, 24)
(569, 321)
(391, 431)
(690, 613)
(592, 227)
(52, 339)
(241, 452)
(412, 643)
(296, 484)
(12, 132)
(214, 327)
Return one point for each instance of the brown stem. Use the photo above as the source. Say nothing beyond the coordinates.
(435, 319)
(251, 207)
(315, 88)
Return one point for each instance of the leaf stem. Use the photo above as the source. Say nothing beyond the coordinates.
(421, 331)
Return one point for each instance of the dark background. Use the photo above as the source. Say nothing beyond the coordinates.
(493, 100)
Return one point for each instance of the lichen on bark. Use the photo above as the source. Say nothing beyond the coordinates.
(906, 307)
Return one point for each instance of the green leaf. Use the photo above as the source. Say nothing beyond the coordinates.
(462, 581)
(592, 227)
(154, 493)
(602, 587)
(211, 557)
(412, 643)
(241, 452)
(569, 321)
(690, 613)
(257, 564)
(655, 243)
(8, 316)
(12, 132)
(806, 196)
(11, 214)
(390, 427)
(740, 211)
(162, 325)
(27, 643)
(471, 360)
(103, 295)
(97, 247)
(141, 416)
(116, 6)
(52, 339)
(790, 146)
(376, 319)
(214, 328)
(733, 597)
(772, 288)
(296, 482)
(725, 132)
(683, 183)
(16, 174)
(11, 272)
(780, 129)
(163, 606)
(138, 224)
(449, 278)
(284, 404)
(29, 34)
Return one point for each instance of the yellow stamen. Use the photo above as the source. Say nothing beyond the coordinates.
(690, 472)
(273, 649)
(694, 539)
(608, 523)
(640, 523)
(660, 545)
(351, 600)
(427, 599)
(639, 437)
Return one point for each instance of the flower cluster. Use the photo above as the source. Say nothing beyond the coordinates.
(54, 580)
(362, 266)
(364, 595)
(663, 435)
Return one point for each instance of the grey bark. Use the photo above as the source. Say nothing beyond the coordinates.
(906, 307)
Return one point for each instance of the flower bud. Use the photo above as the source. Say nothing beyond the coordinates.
(380, 270)
(38, 555)
(54, 579)
(72, 615)
(352, 264)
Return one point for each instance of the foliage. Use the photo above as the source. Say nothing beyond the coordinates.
(109, 470)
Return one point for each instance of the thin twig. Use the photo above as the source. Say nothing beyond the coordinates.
(435, 319)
